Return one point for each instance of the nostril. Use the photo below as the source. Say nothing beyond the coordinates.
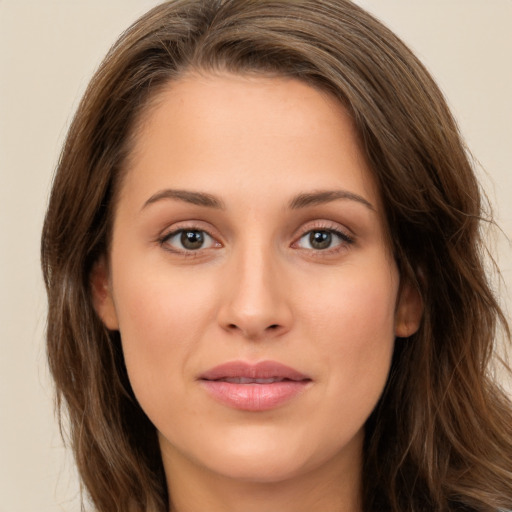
(253, 330)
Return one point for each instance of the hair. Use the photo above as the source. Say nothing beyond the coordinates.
(440, 437)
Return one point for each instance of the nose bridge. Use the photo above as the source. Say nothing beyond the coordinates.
(255, 303)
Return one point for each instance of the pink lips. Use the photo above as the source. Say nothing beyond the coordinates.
(259, 387)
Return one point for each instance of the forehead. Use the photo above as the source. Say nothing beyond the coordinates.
(251, 129)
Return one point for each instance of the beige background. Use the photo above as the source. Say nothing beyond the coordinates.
(48, 50)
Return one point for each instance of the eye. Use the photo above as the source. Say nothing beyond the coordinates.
(189, 240)
(323, 239)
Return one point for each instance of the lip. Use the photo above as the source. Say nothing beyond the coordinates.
(254, 387)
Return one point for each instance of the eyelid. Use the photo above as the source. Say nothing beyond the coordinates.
(184, 226)
(325, 225)
(346, 235)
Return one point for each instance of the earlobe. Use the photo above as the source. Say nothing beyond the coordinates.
(408, 312)
(102, 294)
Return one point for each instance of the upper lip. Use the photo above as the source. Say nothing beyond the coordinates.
(260, 370)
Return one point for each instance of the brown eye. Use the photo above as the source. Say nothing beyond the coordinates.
(320, 239)
(323, 239)
(188, 240)
(192, 240)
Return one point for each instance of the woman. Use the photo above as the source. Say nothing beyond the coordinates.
(264, 270)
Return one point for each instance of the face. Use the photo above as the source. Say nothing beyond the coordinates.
(251, 279)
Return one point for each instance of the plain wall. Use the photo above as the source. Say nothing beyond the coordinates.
(48, 51)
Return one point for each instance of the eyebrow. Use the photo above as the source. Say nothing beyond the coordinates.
(300, 201)
(326, 196)
(197, 198)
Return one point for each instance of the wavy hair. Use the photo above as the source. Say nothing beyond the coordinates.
(440, 438)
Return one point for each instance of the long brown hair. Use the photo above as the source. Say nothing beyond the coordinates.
(441, 436)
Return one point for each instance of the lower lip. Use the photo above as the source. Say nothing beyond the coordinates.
(254, 397)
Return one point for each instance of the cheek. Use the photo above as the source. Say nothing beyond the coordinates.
(356, 307)
(355, 339)
(162, 318)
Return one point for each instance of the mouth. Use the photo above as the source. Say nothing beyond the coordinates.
(254, 387)
(249, 380)
(258, 373)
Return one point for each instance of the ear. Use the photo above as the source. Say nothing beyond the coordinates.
(409, 310)
(102, 294)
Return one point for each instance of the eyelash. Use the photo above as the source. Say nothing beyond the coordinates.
(345, 240)
(164, 241)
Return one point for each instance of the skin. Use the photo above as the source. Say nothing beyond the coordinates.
(256, 290)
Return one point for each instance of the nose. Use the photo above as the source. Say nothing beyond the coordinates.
(256, 301)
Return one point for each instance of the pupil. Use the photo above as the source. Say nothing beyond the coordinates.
(192, 239)
(320, 239)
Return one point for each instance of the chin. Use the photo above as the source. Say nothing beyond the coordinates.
(263, 468)
(265, 456)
